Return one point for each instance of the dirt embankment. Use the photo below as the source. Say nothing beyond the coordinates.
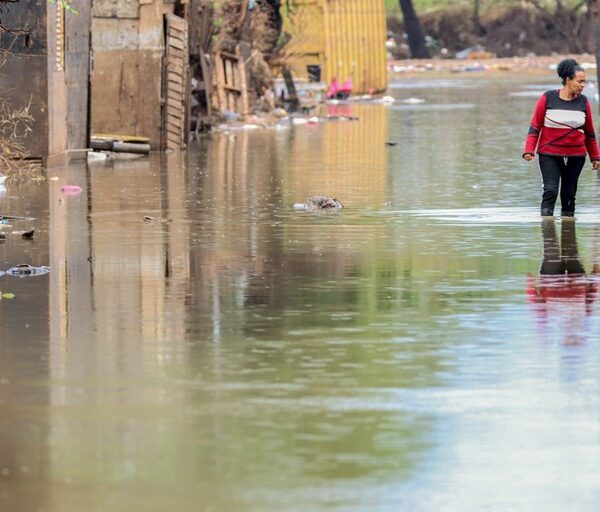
(511, 32)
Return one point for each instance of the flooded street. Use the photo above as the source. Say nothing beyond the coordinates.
(233, 354)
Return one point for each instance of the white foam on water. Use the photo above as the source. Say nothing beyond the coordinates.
(526, 94)
(432, 84)
(442, 107)
(497, 215)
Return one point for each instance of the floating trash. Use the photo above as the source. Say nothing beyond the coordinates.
(7, 295)
(71, 190)
(413, 101)
(24, 270)
(318, 203)
(5, 219)
(147, 219)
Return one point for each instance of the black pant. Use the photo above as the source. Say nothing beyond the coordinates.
(554, 169)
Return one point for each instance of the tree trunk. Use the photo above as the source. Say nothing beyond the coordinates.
(478, 28)
(416, 41)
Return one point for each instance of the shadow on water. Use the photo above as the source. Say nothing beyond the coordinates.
(200, 345)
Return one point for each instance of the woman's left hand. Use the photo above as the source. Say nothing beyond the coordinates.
(596, 165)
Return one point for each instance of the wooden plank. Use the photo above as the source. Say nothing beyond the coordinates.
(220, 77)
(175, 43)
(176, 112)
(176, 22)
(175, 86)
(173, 96)
(207, 78)
(176, 83)
(176, 78)
(229, 56)
(176, 71)
(175, 108)
(244, 89)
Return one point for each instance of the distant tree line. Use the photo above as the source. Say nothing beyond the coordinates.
(566, 17)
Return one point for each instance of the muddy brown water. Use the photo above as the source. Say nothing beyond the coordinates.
(232, 354)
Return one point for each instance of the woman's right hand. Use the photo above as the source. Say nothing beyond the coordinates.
(529, 157)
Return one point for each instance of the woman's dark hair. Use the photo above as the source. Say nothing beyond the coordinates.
(567, 68)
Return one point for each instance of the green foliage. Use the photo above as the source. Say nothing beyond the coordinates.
(66, 6)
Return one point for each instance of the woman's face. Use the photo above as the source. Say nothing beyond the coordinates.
(577, 83)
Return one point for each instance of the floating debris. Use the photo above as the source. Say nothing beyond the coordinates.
(7, 295)
(318, 203)
(25, 269)
(5, 219)
(71, 190)
(391, 143)
(25, 234)
(413, 101)
(97, 156)
(147, 219)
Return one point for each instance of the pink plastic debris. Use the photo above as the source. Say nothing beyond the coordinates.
(71, 190)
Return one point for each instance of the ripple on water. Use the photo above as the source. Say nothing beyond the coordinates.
(500, 215)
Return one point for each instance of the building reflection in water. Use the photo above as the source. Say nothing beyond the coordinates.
(24, 334)
(562, 292)
(166, 336)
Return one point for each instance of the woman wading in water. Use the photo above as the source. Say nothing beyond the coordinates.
(562, 129)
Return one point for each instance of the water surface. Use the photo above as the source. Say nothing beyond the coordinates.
(231, 353)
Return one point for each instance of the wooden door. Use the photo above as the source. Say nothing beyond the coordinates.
(176, 84)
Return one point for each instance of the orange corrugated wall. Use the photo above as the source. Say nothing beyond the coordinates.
(347, 37)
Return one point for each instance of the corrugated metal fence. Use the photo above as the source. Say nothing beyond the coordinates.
(346, 37)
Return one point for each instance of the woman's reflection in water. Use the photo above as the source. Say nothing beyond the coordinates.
(562, 291)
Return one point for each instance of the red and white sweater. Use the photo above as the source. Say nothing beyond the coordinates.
(562, 128)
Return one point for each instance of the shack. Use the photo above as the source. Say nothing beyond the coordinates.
(44, 62)
(344, 38)
(140, 78)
